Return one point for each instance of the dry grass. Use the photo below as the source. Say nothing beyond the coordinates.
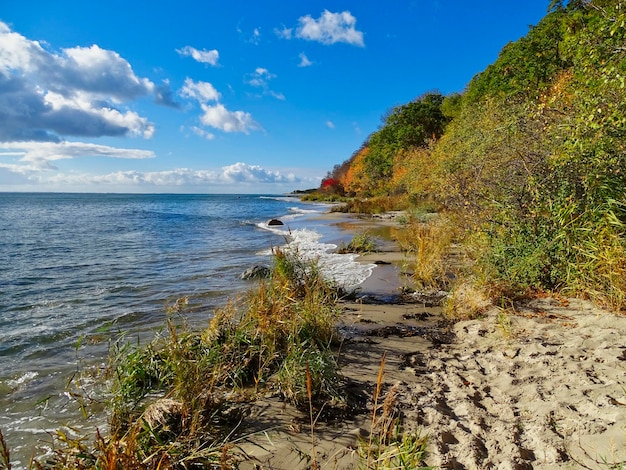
(179, 401)
(428, 248)
(466, 301)
(387, 446)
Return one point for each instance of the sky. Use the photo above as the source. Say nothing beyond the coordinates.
(232, 96)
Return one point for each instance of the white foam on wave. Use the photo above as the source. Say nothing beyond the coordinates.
(300, 210)
(342, 269)
(281, 198)
(21, 380)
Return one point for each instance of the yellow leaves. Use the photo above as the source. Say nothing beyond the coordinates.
(355, 179)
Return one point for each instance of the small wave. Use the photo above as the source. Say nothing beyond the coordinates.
(342, 269)
(300, 210)
(280, 198)
(21, 380)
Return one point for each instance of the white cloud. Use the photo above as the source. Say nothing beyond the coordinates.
(330, 124)
(101, 73)
(236, 173)
(202, 133)
(256, 36)
(239, 173)
(284, 33)
(304, 60)
(201, 91)
(244, 173)
(260, 78)
(203, 56)
(38, 156)
(330, 28)
(219, 117)
(45, 96)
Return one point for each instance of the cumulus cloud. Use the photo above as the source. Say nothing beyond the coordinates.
(329, 28)
(203, 56)
(242, 173)
(203, 92)
(79, 91)
(304, 60)
(236, 173)
(216, 116)
(219, 117)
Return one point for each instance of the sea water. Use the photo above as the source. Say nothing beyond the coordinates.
(79, 271)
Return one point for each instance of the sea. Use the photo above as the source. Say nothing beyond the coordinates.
(82, 274)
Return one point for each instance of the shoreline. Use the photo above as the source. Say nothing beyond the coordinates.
(539, 386)
(542, 386)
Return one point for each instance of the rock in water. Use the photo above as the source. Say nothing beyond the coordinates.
(255, 272)
(275, 222)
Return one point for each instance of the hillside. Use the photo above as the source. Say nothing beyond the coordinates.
(528, 162)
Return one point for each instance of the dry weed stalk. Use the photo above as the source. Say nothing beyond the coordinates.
(5, 454)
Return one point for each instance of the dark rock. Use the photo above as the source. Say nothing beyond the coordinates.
(255, 272)
(275, 222)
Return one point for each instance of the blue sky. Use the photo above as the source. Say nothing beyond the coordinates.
(222, 97)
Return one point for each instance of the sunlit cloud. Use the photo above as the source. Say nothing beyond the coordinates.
(329, 28)
(203, 56)
(219, 117)
(38, 156)
(240, 173)
(203, 92)
(79, 91)
(216, 116)
(244, 173)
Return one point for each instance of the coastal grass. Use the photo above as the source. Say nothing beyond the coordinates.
(428, 249)
(179, 401)
(388, 446)
(373, 205)
(5, 454)
(362, 242)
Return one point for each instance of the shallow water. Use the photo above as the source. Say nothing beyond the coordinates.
(78, 271)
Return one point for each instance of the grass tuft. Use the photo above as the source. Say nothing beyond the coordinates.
(428, 247)
(361, 243)
(387, 446)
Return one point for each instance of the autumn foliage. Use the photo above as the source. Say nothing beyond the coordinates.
(530, 157)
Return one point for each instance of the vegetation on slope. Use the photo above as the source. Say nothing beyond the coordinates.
(529, 160)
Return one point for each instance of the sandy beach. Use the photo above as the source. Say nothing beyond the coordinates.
(541, 386)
